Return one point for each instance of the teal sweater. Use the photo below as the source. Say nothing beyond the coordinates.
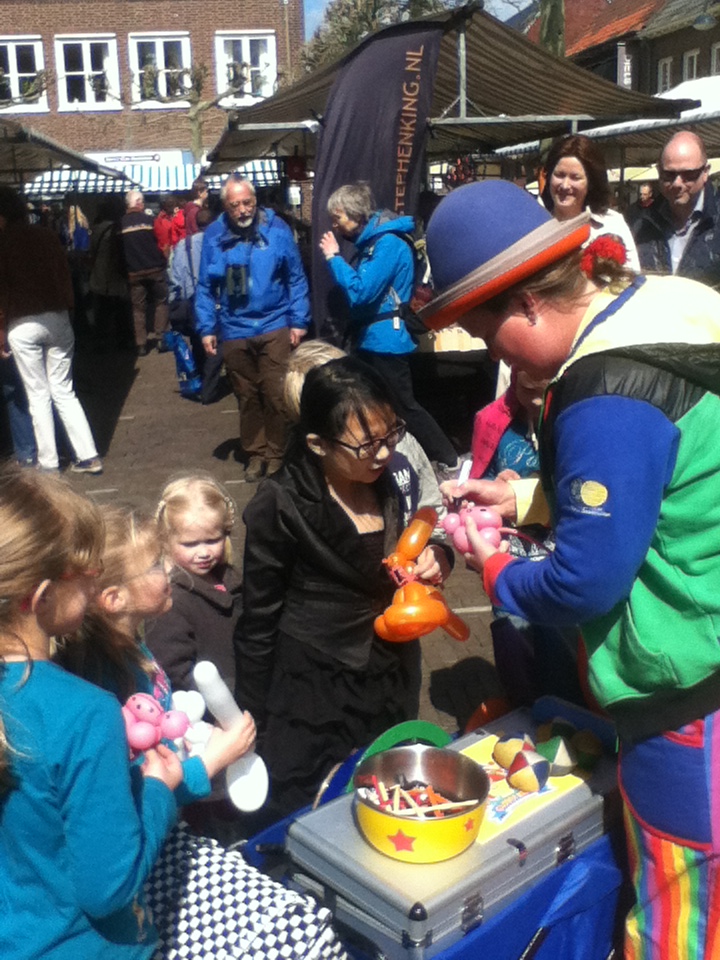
(78, 834)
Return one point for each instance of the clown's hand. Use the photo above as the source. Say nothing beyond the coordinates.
(481, 548)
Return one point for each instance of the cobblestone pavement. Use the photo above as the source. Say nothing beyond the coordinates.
(146, 433)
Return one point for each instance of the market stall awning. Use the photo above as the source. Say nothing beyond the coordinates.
(24, 153)
(493, 87)
(640, 142)
(148, 177)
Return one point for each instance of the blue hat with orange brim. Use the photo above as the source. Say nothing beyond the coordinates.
(483, 239)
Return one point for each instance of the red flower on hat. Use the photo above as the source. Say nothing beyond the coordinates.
(606, 247)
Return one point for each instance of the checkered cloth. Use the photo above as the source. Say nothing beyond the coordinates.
(207, 902)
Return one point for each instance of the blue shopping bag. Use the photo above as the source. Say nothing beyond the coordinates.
(189, 381)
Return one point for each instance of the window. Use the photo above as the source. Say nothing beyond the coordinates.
(160, 65)
(88, 76)
(247, 64)
(690, 64)
(664, 81)
(715, 59)
(21, 75)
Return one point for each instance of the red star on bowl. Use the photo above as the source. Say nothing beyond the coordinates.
(402, 842)
(469, 824)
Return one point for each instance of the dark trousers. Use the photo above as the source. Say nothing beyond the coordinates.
(395, 371)
(256, 367)
(152, 286)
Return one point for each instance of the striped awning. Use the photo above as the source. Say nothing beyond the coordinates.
(148, 177)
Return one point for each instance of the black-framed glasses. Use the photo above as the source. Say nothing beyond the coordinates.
(371, 448)
(687, 176)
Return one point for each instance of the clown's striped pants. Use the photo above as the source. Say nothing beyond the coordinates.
(671, 789)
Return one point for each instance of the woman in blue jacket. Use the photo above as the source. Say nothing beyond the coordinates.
(381, 278)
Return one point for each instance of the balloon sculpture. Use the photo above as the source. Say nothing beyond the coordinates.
(417, 608)
(489, 525)
(146, 723)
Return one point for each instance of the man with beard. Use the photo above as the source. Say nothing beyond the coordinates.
(252, 297)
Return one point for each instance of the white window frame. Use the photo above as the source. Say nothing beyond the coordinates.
(158, 37)
(715, 59)
(222, 63)
(664, 74)
(16, 104)
(111, 70)
(690, 57)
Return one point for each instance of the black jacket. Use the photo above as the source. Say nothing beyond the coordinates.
(701, 259)
(199, 626)
(307, 575)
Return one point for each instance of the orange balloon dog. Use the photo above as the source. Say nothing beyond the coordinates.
(417, 608)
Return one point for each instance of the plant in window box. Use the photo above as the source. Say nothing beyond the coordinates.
(149, 81)
(238, 74)
(100, 86)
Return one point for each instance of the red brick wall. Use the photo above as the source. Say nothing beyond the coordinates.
(133, 129)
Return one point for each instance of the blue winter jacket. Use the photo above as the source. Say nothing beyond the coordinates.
(384, 261)
(253, 286)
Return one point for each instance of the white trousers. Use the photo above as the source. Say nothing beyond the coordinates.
(43, 348)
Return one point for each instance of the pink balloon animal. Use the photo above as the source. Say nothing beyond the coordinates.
(146, 723)
(487, 520)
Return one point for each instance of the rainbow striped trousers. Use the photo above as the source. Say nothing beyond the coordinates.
(671, 791)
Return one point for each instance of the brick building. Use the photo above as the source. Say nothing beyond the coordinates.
(645, 45)
(120, 73)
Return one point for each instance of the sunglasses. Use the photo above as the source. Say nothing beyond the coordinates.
(687, 176)
(371, 448)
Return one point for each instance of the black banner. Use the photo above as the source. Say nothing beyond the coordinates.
(374, 128)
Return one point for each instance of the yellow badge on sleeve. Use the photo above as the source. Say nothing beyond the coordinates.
(593, 494)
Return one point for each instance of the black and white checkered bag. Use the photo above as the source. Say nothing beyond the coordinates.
(207, 902)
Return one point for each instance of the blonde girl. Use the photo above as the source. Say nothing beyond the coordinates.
(78, 837)
(195, 519)
(198, 893)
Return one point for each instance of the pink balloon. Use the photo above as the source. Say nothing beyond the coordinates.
(174, 724)
(143, 735)
(451, 523)
(492, 535)
(460, 540)
(485, 517)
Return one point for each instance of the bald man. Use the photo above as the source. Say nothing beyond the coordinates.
(679, 233)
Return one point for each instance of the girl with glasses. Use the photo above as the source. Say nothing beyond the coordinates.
(318, 680)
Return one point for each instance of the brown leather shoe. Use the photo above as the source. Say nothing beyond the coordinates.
(254, 470)
(273, 465)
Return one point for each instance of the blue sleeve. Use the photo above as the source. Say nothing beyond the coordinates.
(614, 458)
(205, 313)
(297, 283)
(195, 782)
(374, 276)
(177, 274)
(115, 825)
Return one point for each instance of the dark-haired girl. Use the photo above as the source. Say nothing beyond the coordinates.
(310, 668)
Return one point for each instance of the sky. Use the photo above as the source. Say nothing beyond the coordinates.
(314, 10)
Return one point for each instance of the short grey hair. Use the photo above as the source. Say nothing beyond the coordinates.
(133, 197)
(355, 200)
(236, 178)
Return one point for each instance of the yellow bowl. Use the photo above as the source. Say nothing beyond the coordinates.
(426, 840)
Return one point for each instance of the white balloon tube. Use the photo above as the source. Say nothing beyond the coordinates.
(247, 778)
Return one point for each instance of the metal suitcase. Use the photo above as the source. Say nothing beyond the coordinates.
(414, 911)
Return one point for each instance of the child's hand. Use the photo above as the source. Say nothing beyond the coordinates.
(432, 565)
(162, 763)
(487, 493)
(226, 746)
